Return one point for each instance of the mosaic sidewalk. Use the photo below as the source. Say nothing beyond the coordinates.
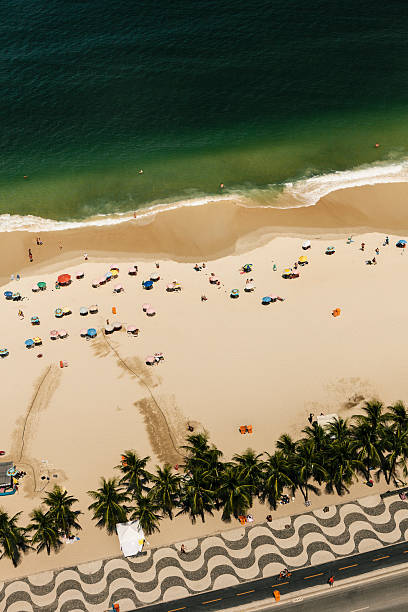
(212, 562)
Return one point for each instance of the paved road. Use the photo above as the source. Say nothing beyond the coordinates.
(387, 594)
(257, 590)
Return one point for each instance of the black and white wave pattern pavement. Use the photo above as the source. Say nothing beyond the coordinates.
(212, 562)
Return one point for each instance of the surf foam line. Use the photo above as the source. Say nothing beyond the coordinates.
(304, 192)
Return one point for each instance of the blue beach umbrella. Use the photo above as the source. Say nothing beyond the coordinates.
(29, 343)
(8, 295)
(266, 300)
(91, 332)
(234, 293)
(147, 284)
(401, 243)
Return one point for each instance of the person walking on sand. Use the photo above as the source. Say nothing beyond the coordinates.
(182, 549)
(21, 314)
(377, 250)
(310, 418)
(30, 256)
(362, 246)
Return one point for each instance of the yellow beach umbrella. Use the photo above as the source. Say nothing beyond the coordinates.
(66, 310)
(114, 273)
(303, 259)
(286, 272)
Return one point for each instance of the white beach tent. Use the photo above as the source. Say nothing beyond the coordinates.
(306, 245)
(325, 419)
(131, 538)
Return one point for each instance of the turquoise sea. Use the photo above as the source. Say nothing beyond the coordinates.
(196, 93)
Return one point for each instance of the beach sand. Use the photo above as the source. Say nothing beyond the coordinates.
(227, 362)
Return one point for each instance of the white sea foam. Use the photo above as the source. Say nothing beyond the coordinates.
(304, 192)
(308, 192)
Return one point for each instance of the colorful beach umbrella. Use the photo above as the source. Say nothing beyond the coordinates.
(306, 245)
(8, 295)
(29, 343)
(266, 300)
(53, 334)
(35, 320)
(131, 329)
(108, 276)
(37, 340)
(249, 287)
(234, 293)
(118, 288)
(93, 309)
(117, 325)
(147, 284)
(79, 274)
(91, 332)
(145, 307)
(150, 360)
(66, 310)
(303, 259)
(150, 312)
(154, 277)
(83, 333)
(59, 313)
(109, 329)
(16, 296)
(64, 279)
(63, 333)
(42, 285)
(4, 352)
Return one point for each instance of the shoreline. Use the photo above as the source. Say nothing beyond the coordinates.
(210, 231)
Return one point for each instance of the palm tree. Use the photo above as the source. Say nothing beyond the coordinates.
(46, 534)
(146, 513)
(235, 493)
(196, 496)
(338, 430)
(60, 510)
(166, 489)
(368, 437)
(249, 469)
(306, 466)
(341, 464)
(109, 507)
(135, 476)
(211, 469)
(286, 445)
(395, 443)
(398, 416)
(276, 476)
(13, 539)
(317, 435)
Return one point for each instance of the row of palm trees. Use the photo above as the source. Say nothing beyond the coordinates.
(55, 519)
(373, 443)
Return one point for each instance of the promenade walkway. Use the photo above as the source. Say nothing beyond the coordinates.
(212, 562)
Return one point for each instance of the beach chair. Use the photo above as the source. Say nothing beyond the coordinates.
(243, 429)
(249, 429)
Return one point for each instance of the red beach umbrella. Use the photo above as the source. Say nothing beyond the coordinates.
(64, 279)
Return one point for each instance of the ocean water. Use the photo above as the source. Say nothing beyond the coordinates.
(261, 96)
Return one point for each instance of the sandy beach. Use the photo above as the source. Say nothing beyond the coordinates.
(227, 361)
